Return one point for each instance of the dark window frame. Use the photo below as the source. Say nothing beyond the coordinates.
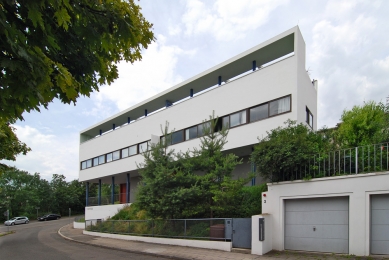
(308, 116)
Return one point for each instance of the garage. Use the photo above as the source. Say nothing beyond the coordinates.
(379, 224)
(317, 224)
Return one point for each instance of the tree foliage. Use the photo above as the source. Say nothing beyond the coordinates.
(10, 146)
(167, 188)
(63, 49)
(196, 183)
(21, 193)
(363, 125)
(284, 150)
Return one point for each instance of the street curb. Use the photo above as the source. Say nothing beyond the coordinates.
(120, 249)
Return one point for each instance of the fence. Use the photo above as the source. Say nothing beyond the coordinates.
(106, 200)
(363, 159)
(204, 229)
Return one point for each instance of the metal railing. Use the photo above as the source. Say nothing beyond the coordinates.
(107, 200)
(357, 160)
(202, 229)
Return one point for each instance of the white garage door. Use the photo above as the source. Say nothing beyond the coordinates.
(317, 224)
(380, 224)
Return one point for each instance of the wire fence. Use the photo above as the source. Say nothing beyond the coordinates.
(107, 200)
(357, 160)
(202, 229)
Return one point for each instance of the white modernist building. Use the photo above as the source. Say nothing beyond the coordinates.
(253, 92)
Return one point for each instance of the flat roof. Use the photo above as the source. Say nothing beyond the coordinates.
(262, 53)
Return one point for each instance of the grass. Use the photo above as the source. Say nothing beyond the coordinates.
(81, 220)
(6, 233)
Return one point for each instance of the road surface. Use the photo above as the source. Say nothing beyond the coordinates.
(40, 240)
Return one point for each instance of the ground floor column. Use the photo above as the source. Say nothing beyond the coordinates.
(128, 189)
(113, 191)
(99, 195)
(86, 194)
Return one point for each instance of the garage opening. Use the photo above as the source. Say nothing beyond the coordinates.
(317, 224)
(379, 238)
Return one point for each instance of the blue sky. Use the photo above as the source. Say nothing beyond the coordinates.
(347, 46)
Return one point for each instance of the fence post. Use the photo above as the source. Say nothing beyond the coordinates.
(356, 160)
(152, 226)
(185, 229)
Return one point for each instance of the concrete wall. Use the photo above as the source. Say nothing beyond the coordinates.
(224, 246)
(265, 246)
(358, 188)
(102, 212)
(79, 225)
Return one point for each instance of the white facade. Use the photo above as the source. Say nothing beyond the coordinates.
(269, 71)
(358, 189)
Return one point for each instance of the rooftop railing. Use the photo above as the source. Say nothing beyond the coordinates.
(357, 160)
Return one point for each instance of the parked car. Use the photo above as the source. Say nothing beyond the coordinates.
(17, 220)
(49, 217)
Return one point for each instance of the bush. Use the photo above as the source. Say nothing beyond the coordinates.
(245, 203)
(132, 212)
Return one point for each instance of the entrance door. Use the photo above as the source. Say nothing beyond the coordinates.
(241, 232)
(379, 241)
(317, 224)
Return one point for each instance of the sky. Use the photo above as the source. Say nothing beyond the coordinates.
(347, 51)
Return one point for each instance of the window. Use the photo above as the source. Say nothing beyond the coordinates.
(143, 147)
(202, 128)
(132, 150)
(259, 112)
(226, 121)
(96, 161)
(101, 159)
(238, 118)
(109, 157)
(309, 117)
(89, 163)
(124, 152)
(177, 137)
(83, 165)
(116, 155)
(279, 106)
(191, 133)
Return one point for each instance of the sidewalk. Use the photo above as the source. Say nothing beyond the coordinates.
(179, 252)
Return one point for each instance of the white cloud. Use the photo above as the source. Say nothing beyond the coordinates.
(141, 80)
(383, 64)
(349, 37)
(174, 30)
(50, 154)
(228, 19)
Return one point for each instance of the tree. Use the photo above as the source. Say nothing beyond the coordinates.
(217, 186)
(64, 49)
(10, 146)
(283, 153)
(167, 190)
(363, 125)
(195, 183)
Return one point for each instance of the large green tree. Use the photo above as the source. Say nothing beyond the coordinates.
(363, 125)
(63, 49)
(168, 188)
(196, 183)
(285, 152)
(21, 193)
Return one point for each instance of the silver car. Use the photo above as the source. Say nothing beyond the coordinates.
(17, 220)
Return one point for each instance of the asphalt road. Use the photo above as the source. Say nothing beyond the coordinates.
(40, 240)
